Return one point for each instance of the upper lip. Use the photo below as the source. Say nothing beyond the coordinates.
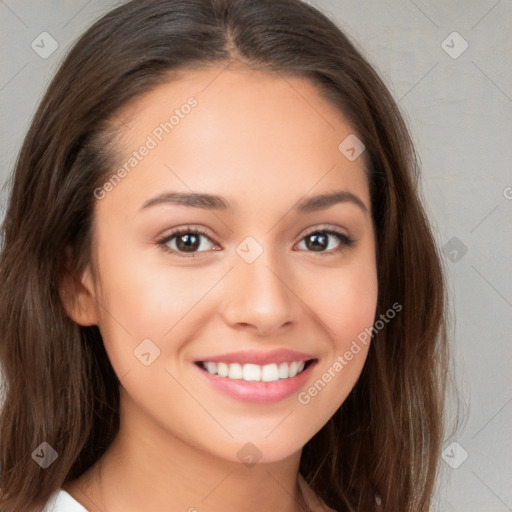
(259, 357)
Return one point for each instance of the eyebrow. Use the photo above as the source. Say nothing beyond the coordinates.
(214, 202)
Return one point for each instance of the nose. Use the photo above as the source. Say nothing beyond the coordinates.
(260, 296)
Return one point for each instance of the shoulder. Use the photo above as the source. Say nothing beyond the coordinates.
(61, 501)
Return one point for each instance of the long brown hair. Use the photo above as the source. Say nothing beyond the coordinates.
(59, 387)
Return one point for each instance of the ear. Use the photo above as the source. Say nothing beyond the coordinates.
(78, 295)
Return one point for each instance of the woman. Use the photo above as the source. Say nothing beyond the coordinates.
(220, 288)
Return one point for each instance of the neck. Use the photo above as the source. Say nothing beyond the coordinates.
(147, 468)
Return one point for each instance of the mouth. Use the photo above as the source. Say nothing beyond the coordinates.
(252, 376)
(250, 372)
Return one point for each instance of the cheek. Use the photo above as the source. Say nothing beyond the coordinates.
(143, 294)
(345, 300)
(347, 312)
(145, 299)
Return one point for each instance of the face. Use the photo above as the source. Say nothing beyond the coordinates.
(241, 284)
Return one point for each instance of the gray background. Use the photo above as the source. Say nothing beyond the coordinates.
(458, 105)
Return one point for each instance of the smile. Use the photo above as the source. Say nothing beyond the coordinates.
(268, 382)
(255, 372)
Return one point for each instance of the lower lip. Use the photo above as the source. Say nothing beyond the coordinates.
(254, 391)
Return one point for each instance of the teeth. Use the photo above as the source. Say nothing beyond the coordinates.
(269, 373)
(254, 372)
(251, 372)
(235, 371)
(211, 367)
(293, 369)
(284, 370)
(222, 369)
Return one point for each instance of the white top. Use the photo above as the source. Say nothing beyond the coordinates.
(61, 501)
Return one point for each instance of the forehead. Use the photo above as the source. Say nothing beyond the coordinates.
(247, 131)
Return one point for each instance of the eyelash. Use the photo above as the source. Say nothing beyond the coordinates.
(346, 240)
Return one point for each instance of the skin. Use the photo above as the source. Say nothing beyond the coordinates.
(263, 142)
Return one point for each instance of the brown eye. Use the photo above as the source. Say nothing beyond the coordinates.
(321, 241)
(186, 241)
